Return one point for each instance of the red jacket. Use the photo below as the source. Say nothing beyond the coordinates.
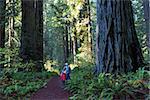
(63, 76)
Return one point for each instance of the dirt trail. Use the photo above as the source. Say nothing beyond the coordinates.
(52, 91)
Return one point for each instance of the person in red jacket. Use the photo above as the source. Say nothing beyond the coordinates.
(67, 70)
(63, 75)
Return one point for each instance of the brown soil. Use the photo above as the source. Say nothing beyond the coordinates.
(52, 91)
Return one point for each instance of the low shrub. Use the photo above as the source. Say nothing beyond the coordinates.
(86, 86)
(23, 83)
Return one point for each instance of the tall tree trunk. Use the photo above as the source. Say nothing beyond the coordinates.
(2, 23)
(32, 31)
(85, 21)
(89, 26)
(10, 31)
(39, 33)
(10, 36)
(146, 4)
(2, 27)
(75, 48)
(10, 43)
(70, 46)
(67, 47)
(70, 40)
(28, 30)
(11, 23)
(117, 46)
(65, 39)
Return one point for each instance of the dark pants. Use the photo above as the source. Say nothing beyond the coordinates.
(67, 76)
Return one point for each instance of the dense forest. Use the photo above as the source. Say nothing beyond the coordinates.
(105, 42)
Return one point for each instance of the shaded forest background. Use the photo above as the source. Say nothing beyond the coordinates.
(41, 35)
(69, 30)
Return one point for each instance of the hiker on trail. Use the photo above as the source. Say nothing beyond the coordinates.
(65, 73)
(68, 70)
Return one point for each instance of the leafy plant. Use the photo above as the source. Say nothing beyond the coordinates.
(22, 84)
(84, 85)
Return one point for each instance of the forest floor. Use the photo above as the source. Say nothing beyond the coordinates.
(54, 90)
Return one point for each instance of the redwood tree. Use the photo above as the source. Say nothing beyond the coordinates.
(117, 46)
(32, 31)
(2, 25)
(2, 22)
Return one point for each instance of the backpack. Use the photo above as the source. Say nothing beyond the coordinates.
(69, 69)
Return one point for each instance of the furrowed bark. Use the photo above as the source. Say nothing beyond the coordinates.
(117, 46)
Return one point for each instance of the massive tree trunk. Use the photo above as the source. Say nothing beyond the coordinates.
(39, 33)
(2, 26)
(117, 46)
(32, 31)
(28, 30)
(146, 4)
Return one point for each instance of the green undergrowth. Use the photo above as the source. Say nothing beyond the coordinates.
(86, 86)
(21, 85)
